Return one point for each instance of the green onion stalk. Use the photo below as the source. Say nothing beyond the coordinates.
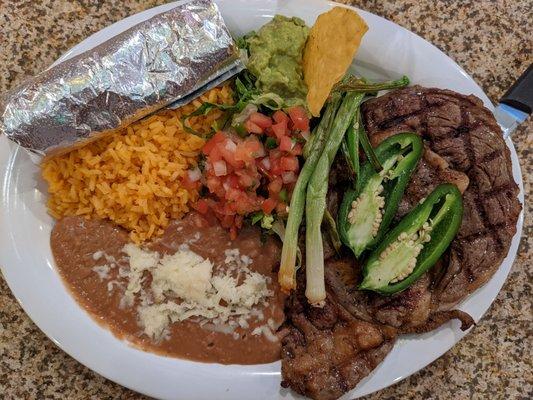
(316, 199)
(287, 271)
(310, 191)
(354, 84)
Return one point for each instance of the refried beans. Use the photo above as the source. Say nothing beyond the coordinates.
(88, 255)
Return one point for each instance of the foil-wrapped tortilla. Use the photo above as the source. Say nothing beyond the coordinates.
(166, 60)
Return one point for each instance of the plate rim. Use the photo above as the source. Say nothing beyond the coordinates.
(155, 10)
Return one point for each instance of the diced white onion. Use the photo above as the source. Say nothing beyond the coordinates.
(220, 168)
(194, 174)
(265, 162)
(230, 146)
(288, 177)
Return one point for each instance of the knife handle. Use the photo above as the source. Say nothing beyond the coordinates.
(520, 95)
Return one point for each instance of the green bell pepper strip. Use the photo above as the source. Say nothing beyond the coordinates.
(416, 243)
(400, 155)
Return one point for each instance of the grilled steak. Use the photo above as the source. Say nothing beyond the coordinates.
(409, 311)
(327, 351)
(412, 310)
(431, 171)
(465, 134)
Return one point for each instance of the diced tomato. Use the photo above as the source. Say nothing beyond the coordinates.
(215, 154)
(249, 204)
(219, 137)
(245, 179)
(252, 128)
(243, 206)
(275, 186)
(261, 120)
(215, 186)
(285, 143)
(254, 147)
(281, 206)
(236, 167)
(269, 205)
(208, 147)
(202, 206)
(222, 209)
(238, 221)
(299, 118)
(232, 181)
(280, 116)
(281, 209)
(228, 150)
(243, 154)
(212, 182)
(233, 194)
(227, 221)
(276, 166)
(274, 154)
(289, 163)
(280, 129)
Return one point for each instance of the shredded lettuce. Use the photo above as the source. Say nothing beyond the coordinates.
(266, 220)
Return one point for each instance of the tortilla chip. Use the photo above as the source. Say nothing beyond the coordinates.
(330, 49)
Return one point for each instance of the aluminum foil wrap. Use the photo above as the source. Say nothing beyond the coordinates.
(166, 60)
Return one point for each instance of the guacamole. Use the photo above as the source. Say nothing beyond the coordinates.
(275, 57)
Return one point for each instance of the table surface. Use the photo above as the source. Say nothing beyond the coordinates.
(490, 39)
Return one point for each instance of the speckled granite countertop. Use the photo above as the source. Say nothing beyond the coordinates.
(490, 39)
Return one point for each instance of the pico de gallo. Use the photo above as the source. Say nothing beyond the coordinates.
(254, 167)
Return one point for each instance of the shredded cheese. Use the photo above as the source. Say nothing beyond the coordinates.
(185, 285)
(102, 271)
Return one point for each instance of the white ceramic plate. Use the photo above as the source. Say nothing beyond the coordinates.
(388, 51)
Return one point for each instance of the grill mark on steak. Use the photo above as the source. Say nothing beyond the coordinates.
(491, 156)
(480, 209)
(473, 183)
(398, 120)
(496, 191)
(476, 235)
(455, 133)
(460, 131)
